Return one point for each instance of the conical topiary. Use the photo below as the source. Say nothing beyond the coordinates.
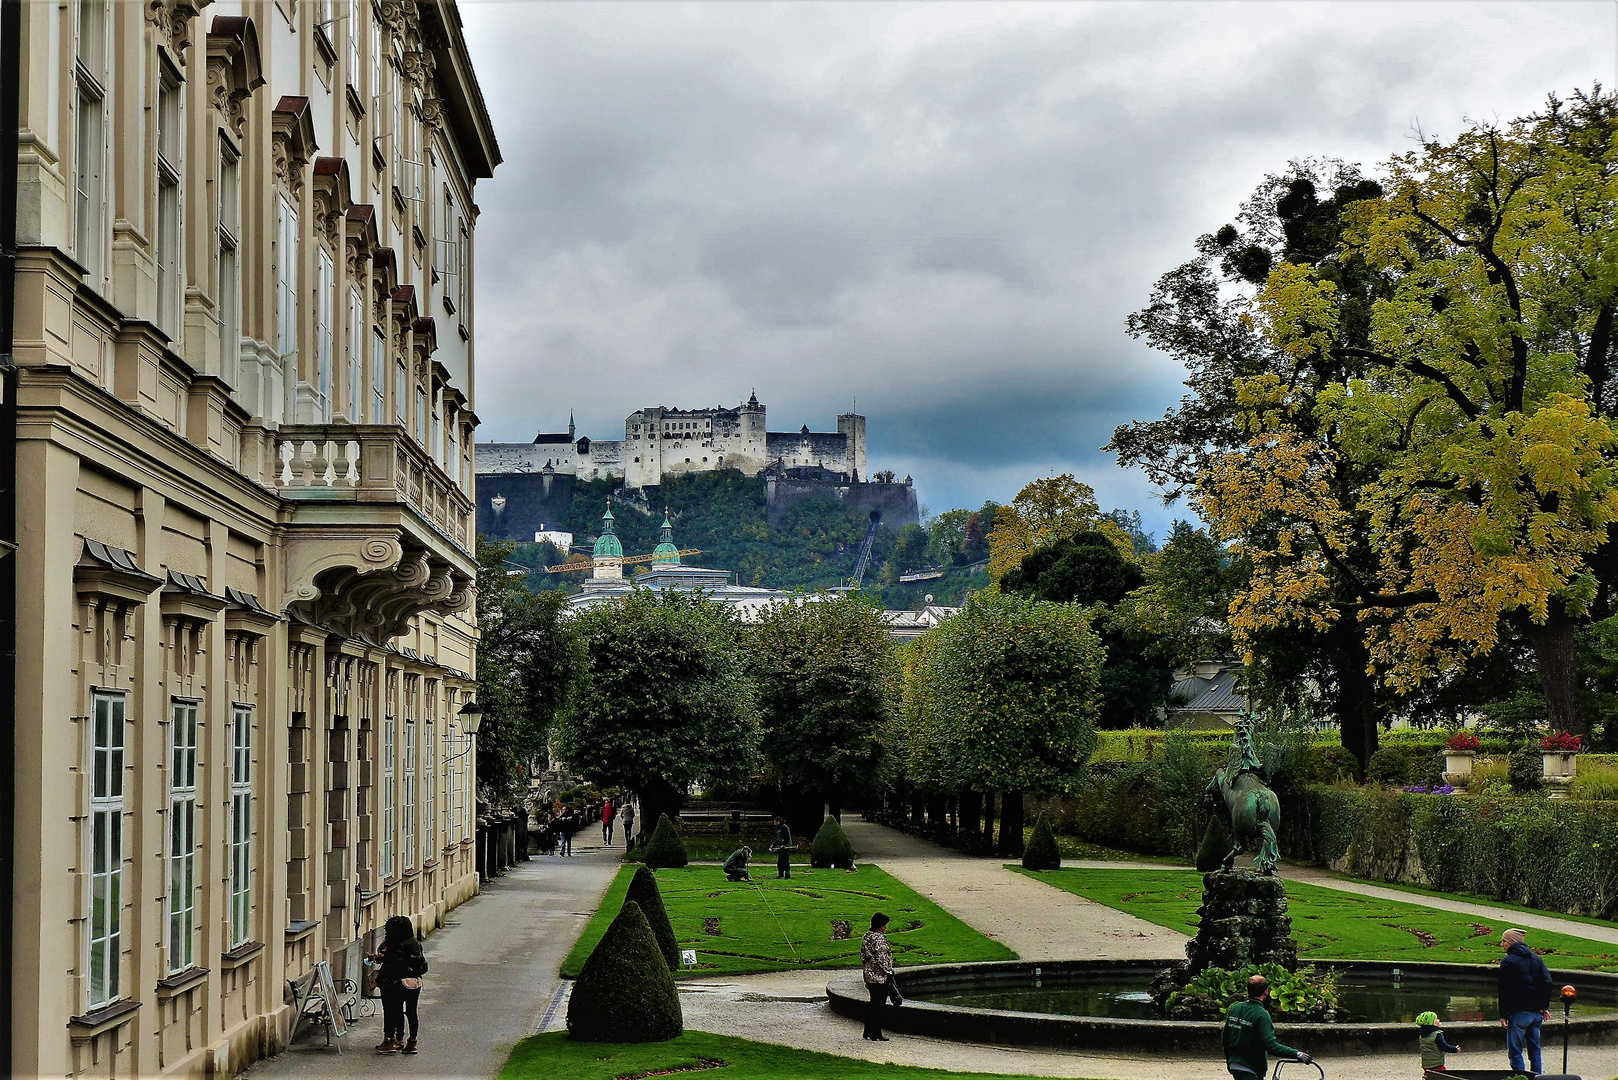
(1042, 852)
(665, 848)
(643, 891)
(831, 847)
(625, 994)
(1215, 844)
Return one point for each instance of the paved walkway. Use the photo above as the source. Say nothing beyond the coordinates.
(492, 979)
(1039, 922)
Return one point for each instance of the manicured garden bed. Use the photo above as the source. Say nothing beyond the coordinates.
(553, 1055)
(781, 925)
(1332, 925)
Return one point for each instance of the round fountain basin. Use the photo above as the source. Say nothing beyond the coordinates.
(1101, 1004)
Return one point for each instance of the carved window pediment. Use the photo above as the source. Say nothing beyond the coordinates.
(245, 615)
(292, 141)
(234, 67)
(186, 599)
(111, 573)
(331, 199)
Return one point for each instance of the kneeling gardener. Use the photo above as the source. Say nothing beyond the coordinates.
(1250, 1035)
(736, 865)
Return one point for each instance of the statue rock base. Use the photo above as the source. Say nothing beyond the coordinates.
(1244, 921)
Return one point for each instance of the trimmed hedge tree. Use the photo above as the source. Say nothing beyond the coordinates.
(625, 994)
(1042, 852)
(665, 849)
(831, 848)
(644, 892)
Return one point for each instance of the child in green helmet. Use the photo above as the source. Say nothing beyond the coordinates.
(1433, 1044)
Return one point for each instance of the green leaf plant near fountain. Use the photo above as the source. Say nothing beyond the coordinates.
(1301, 996)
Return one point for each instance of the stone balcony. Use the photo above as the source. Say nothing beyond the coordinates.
(380, 533)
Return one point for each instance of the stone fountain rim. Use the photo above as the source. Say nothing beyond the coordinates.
(847, 996)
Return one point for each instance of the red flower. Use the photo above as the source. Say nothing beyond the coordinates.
(1462, 740)
(1561, 742)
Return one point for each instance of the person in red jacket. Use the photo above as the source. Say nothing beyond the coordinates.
(609, 814)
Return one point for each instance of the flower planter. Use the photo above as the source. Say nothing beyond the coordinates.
(1458, 769)
(1559, 769)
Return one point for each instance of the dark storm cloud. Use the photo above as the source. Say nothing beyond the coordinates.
(945, 211)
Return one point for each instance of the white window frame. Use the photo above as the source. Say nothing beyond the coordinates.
(166, 241)
(325, 301)
(90, 140)
(182, 847)
(401, 393)
(430, 783)
(286, 277)
(379, 376)
(104, 900)
(240, 774)
(421, 415)
(229, 292)
(409, 793)
(356, 354)
(353, 35)
(389, 795)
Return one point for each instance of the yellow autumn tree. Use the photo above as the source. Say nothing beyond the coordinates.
(1046, 510)
(1478, 426)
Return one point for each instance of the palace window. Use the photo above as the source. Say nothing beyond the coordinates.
(229, 293)
(437, 440)
(379, 376)
(352, 32)
(167, 241)
(182, 894)
(387, 796)
(286, 277)
(356, 354)
(106, 900)
(241, 824)
(401, 393)
(325, 300)
(90, 144)
(421, 415)
(410, 793)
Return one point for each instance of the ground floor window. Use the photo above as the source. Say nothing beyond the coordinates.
(106, 879)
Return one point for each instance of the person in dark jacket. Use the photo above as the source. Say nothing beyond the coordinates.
(876, 960)
(1525, 998)
(782, 848)
(736, 865)
(399, 980)
(1250, 1035)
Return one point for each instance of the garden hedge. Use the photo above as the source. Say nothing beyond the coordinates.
(831, 847)
(1042, 852)
(665, 849)
(644, 892)
(625, 994)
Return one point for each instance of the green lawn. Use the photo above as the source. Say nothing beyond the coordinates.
(781, 925)
(1332, 925)
(1473, 898)
(553, 1055)
(1072, 847)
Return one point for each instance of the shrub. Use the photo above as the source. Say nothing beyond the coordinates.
(665, 849)
(1595, 780)
(1407, 765)
(1299, 995)
(831, 847)
(625, 994)
(643, 892)
(1525, 769)
(1042, 852)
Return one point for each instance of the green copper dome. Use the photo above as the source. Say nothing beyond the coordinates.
(666, 553)
(607, 544)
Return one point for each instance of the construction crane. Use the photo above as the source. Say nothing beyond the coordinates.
(587, 563)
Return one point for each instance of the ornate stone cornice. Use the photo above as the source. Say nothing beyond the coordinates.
(360, 238)
(372, 590)
(234, 68)
(331, 199)
(292, 141)
(172, 19)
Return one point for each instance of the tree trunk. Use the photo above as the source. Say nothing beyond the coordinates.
(988, 819)
(656, 800)
(971, 813)
(1356, 693)
(1011, 819)
(1558, 672)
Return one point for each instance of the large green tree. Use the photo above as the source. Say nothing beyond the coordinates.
(1003, 699)
(1476, 429)
(1088, 569)
(1182, 612)
(530, 665)
(827, 677)
(667, 704)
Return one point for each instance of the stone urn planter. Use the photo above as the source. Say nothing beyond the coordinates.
(1458, 769)
(1559, 767)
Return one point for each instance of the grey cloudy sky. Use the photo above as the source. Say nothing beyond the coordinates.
(944, 210)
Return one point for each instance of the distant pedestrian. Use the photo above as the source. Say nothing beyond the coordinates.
(1433, 1044)
(782, 848)
(608, 814)
(736, 865)
(1525, 998)
(876, 958)
(1250, 1035)
(629, 823)
(564, 831)
(399, 980)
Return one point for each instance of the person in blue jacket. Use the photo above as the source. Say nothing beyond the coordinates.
(1525, 998)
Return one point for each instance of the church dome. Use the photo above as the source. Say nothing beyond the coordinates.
(666, 553)
(608, 545)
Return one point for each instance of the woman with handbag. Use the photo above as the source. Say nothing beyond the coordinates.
(876, 957)
(402, 965)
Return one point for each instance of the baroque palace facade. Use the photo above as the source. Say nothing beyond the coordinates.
(246, 547)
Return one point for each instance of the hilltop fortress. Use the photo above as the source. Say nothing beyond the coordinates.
(528, 487)
(661, 442)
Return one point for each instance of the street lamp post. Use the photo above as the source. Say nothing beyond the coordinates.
(471, 720)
